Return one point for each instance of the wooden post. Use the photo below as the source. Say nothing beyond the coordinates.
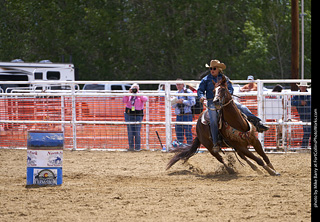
(294, 42)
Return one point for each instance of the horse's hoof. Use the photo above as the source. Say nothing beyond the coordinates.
(271, 166)
(271, 171)
(230, 170)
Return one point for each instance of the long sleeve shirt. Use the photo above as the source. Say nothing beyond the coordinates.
(188, 101)
(206, 86)
(303, 110)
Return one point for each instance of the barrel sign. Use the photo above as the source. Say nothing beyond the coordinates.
(44, 157)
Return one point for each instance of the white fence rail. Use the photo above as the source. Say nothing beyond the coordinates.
(94, 120)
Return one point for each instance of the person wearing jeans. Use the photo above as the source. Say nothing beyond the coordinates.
(134, 113)
(184, 113)
(303, 105)
(134, 137)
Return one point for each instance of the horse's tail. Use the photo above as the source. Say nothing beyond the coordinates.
(184, 153)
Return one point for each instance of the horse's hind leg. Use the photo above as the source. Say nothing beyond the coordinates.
(207, 142)
(220, 159)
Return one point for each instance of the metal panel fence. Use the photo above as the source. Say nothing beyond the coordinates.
(95, 120)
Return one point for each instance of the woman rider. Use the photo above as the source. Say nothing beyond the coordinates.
(205, 91)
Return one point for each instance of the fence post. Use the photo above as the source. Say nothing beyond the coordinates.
(260, 102)
(74, 116)
(168, 116)
(289, 108)
(62, 114)
(147, 125)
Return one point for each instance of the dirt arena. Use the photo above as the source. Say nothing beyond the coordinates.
(126, 186)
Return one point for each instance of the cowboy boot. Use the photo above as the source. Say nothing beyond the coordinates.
(258, 124)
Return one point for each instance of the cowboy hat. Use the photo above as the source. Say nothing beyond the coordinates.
(193, 85)
(303, 83)
(216, 63)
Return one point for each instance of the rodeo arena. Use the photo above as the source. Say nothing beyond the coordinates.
(54, 129)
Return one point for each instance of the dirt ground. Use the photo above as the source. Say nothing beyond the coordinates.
(126, 186)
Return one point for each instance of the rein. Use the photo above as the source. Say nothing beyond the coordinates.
(223, 105)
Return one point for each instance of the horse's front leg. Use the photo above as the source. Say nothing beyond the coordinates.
(259, 161)
(268, 167)
(252, 165)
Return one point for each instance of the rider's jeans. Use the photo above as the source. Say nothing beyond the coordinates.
(245, 110)
(213, 122)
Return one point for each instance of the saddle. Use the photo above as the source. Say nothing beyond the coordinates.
(205, 119)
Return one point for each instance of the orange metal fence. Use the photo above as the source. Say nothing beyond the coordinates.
(88, 136)
(20, 114)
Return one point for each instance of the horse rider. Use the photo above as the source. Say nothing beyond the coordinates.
(205, 91)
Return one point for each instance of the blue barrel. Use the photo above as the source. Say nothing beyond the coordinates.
(45, 156)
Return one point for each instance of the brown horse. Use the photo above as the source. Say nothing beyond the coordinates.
(235, 130)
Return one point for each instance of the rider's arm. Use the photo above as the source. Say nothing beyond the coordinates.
(202, 88)
(230, 87)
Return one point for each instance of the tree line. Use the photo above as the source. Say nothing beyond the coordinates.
(167, 39)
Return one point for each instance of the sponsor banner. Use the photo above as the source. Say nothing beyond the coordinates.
(44, 176)
(44, 158)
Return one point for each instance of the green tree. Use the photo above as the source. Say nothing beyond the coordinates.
(137, 39)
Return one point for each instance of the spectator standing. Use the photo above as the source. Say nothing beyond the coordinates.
(198, 107)
(251, 86)
(134, 113)
(303, 105)
(183, 111)
(277, 88)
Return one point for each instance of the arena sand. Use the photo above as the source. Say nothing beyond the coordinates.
(126, 186)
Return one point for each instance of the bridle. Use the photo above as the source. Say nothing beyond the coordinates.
(220, 102)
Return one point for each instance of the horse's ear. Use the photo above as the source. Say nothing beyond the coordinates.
(214, 83)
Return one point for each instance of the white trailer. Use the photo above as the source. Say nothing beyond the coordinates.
(22, 71)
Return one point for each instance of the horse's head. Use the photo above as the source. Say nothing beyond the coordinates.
(220, 91)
